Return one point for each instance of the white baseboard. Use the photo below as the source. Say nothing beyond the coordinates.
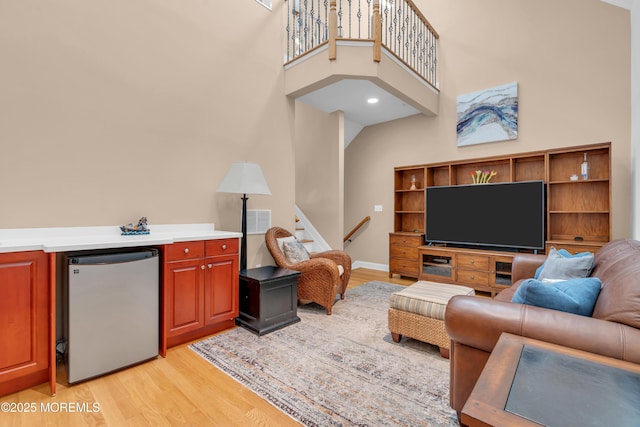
(369, 265)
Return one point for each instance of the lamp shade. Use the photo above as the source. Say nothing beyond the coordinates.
(244, 178)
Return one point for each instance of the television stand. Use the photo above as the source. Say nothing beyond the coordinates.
(484, 270)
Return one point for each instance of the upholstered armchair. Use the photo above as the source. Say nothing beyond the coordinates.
(322, 276)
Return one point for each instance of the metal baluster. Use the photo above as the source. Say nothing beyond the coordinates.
(403, 48)
(370, 15)
(340, 27)
(299, 40)
(359, 16)
(312, 22)
(350, 19)
(288, 30)
(318, 24)
(412, 40)
(326, 20)
(387, 27)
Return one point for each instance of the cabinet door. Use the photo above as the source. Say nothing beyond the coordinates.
(221, 288)
(184, 296)
(24, 318)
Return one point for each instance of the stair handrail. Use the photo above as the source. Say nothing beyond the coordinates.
(361, 224)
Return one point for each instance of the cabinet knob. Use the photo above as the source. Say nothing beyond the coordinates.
(473, 261)
(202, 267)
(186, 250)
(224, 246)
(210, 265)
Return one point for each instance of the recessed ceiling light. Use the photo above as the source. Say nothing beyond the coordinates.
(372, 100)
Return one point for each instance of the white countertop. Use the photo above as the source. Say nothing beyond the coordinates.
(63, 239)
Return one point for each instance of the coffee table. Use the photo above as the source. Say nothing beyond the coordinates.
(531, 383)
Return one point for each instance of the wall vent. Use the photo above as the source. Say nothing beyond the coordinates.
(258, 221)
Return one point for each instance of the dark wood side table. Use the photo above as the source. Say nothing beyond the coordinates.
(268, 299)
(531, 383)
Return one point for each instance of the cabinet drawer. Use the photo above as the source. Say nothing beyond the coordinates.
(404, 252)
(185, 250)
(470, 277)
(403, 266)
(407, 241)
(221, 247)
(472, 262)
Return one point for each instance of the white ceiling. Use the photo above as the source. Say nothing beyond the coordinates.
(350, 96)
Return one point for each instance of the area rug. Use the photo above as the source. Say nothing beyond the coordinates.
(340, 370)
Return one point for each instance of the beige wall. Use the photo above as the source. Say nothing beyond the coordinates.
(319, 154)
(113, 110)
(110, 110)
(571, 59)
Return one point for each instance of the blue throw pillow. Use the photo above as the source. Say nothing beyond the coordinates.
(577, 296)
(564, 253)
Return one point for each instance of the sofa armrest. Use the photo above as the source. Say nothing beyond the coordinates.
(478, 322)
(524, 266)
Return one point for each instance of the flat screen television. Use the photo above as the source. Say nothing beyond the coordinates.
(502, 215)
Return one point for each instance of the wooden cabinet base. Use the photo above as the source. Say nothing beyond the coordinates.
(403, 254)
(25, 382)
(484, 270)
(200, 290)
(200, 333)
(27, 298)
(268, 299)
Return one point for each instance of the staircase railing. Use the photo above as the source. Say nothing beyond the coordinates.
(396, 25)
(361, 224)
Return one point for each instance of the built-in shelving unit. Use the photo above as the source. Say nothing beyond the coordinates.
(578, 212)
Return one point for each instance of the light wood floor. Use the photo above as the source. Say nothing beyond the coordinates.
(181, 389)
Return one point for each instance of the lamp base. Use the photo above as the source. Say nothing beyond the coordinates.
(243, 242)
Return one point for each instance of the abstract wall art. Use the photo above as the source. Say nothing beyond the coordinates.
(488, 115)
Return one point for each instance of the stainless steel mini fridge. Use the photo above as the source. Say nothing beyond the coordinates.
(113, 310)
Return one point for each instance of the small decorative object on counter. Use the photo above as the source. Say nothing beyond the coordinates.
(139, 228)
(482, 177)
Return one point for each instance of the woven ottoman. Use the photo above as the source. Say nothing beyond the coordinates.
(418, 312)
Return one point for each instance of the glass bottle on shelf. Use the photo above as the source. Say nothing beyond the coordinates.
(584, 168)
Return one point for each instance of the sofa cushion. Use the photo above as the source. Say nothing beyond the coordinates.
(618, 266)
(577, 296)
(561, 265)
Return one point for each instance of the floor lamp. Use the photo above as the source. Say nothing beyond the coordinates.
(244, 178)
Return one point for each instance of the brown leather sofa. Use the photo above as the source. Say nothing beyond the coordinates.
(474, 324)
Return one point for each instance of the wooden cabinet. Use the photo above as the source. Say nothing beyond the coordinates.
(221, 281)
(200, 289)
(408, 225)
(486, 271)
(268, 299)
(24, 320)
(578, 211)
(403, 253)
